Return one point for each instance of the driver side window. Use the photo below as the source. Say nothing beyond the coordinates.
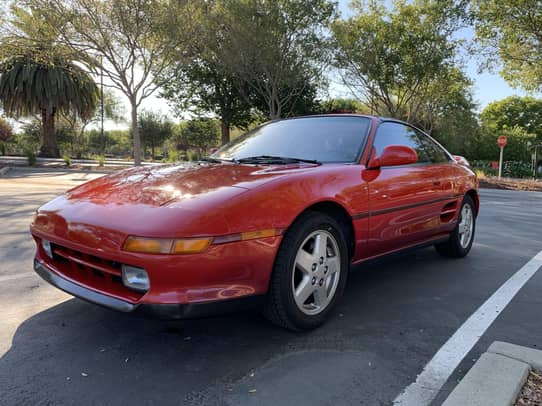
(389, 133)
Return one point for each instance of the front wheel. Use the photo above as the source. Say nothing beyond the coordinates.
(309, 273)
(461, 239)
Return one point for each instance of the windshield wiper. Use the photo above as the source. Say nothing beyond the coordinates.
(271, 159)
(217, 160)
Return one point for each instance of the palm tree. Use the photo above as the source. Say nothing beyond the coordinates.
(33, 85)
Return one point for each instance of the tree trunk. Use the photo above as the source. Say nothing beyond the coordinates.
(49, 146)
(225, 130)
(135, 133)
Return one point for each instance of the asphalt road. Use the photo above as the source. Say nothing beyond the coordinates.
(395, 315)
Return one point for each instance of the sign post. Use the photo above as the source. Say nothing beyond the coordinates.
(501, 141)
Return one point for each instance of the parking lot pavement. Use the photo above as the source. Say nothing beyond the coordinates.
(395, 315)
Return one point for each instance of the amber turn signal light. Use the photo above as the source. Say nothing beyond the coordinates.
(166, 245)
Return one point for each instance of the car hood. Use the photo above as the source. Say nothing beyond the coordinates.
(170, 200)
(172, 184)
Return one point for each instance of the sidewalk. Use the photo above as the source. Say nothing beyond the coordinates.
(113, 164)
(497, 377)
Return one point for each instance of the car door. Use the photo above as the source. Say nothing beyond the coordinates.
(403, 200)
(445, 173)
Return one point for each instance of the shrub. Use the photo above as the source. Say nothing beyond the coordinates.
(67, 159)
(101, 160)
(30, 156)
(173, 156)
(510, 169)
(193, 155)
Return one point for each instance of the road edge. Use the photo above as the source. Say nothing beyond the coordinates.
(497, 377)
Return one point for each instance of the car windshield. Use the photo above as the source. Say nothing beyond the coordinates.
(321, 139)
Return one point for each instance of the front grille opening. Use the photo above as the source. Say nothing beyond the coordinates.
(98, 273)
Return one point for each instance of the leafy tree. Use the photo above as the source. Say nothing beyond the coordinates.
(484, 145)
(128, 38)
(343, 105)
(394, 60)
(510, 33)
(28, 137)
(205, 87)
(201, 134)
(113, 110)
(514, 111)
(40, 77)
(6, 134)
(31, 85)
(274, 46)
(201, 84)
(154, 128)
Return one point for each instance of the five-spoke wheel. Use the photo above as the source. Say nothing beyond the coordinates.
(309, 273)
(316, 272)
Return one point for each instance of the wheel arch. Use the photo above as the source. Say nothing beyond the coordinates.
(473, 194)
(339, 213)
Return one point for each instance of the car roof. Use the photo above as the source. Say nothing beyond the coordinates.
(345, 115)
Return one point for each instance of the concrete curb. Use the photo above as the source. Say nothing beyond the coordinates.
(4, 170)
(66, 169)
(497, 377)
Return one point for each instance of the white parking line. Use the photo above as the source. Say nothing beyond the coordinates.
(449, 356)
(16, 276)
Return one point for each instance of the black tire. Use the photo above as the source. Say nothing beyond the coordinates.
(452, 247)
(281, 307)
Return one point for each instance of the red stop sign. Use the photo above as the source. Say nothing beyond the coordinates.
(501, 141)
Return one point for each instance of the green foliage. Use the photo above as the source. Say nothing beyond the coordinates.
(101, 160)
(483, 146)
(28, 86)
(67, 159)
(200, 134)
(514, 111)
(39, 76)
(175, 156)
(398, 60)
(510, 169)
(510, 31)
(129, 36)
(28, 138)
(6, 131)
(258, 34)
(117, 142)
(202, 84)
(343, 105)
(30, 156)
(6, 134)
(154, 129)
(193, 155)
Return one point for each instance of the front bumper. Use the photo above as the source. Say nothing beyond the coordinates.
(167, 311)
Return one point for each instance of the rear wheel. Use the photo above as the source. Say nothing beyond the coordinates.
(461, 239)
(309, 274)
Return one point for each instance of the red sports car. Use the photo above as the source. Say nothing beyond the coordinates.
(276, 217)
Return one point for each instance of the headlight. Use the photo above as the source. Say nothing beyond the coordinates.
(135, 278)
(46, 245)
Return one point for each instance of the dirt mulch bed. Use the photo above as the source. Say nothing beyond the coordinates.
(511, 184)
(531, 394)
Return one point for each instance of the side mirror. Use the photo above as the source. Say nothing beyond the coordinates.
(394, 155)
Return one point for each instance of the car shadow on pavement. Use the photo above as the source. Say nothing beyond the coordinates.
(76, 352)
